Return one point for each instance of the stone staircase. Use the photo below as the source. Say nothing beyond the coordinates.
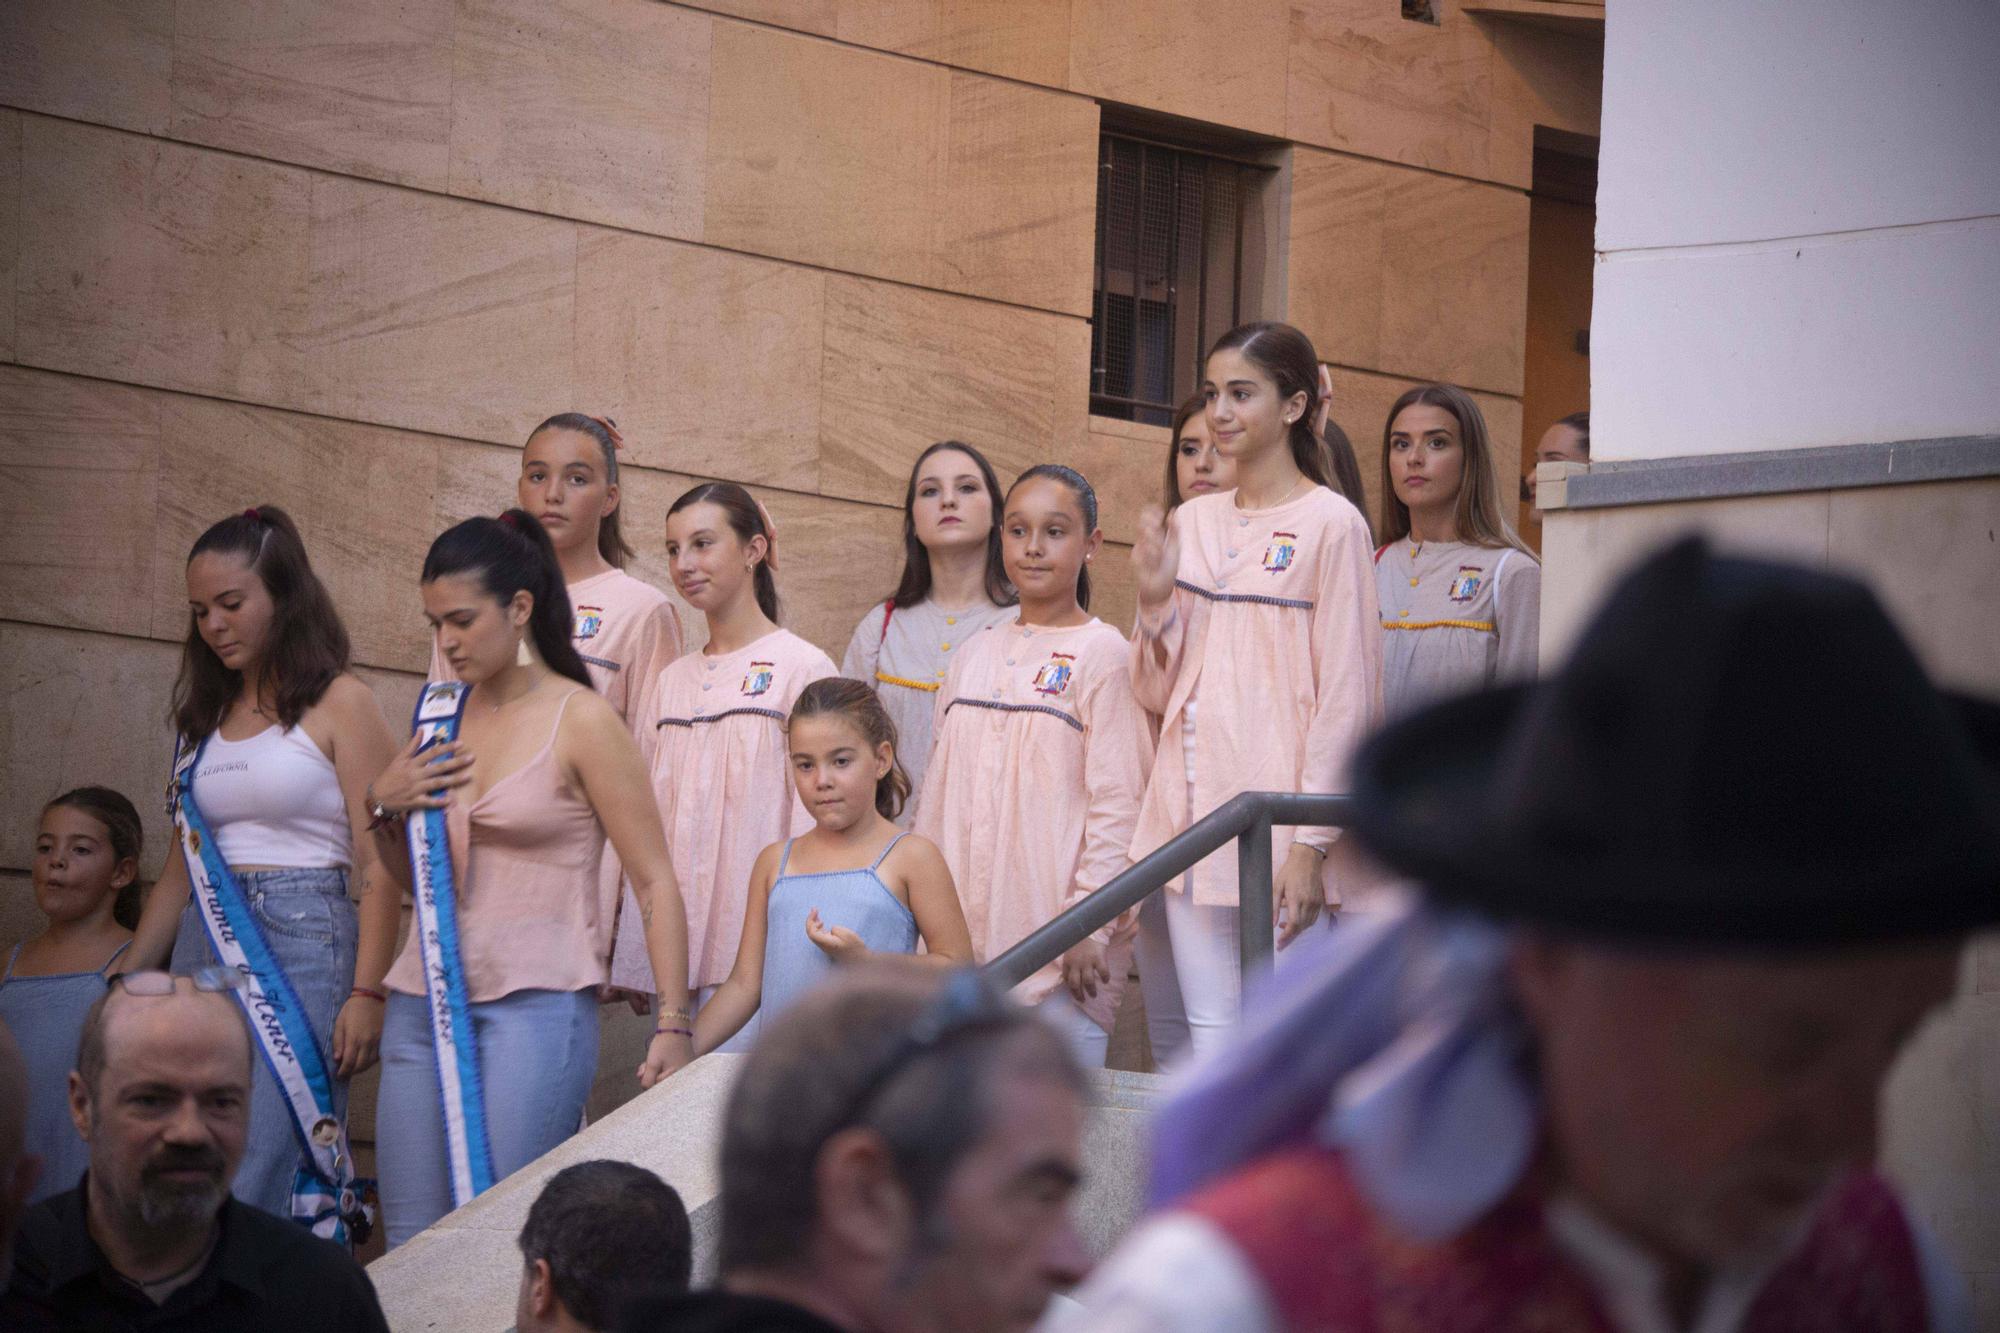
(461, 1275)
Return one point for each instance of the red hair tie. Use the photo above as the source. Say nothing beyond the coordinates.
(252, 514)
(611, 429)
(507, 520)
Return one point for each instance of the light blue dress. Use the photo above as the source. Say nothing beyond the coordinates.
(46, 1017)
(856, 899)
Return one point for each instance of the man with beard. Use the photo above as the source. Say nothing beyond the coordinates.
(1618, 1069)
(151, 1237)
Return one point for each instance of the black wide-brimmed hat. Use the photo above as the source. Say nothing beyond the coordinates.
(1738, 753)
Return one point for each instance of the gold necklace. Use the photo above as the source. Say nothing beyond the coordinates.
(1286, 498)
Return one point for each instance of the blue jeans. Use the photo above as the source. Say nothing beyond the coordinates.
(309, 924)
(537, 1056)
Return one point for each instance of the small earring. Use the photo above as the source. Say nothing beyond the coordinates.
(522, 657)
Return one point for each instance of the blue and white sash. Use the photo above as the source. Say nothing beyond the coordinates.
(439, 709)
(326, 1194)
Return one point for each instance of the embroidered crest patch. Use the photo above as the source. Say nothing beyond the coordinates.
(758, 679)
(1279, 554)
(1468, 583)
(1053, 677)
(589, 620)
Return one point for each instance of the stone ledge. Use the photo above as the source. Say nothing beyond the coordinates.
(461, 1275)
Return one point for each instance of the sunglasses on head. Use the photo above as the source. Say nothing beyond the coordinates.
(214, 980)
(967, 1004)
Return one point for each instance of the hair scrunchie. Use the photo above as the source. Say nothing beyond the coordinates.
(611, 429)
(253, 514)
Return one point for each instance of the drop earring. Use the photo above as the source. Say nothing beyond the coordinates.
(522, 657)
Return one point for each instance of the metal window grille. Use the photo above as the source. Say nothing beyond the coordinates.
(1170, 271)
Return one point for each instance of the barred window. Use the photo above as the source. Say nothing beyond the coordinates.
(1179, 250)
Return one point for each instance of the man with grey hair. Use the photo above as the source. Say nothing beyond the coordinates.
(151, 1237)
(900, 1153)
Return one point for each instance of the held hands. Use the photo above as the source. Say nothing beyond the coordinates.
(836, 942)
(357, 1035)
(1296, 896)
(422, 779)
(640, 1002)
(667, 1052)
(1156, 557)
(1084, 969)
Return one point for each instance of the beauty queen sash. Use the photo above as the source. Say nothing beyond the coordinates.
(467, 1147)
(326, 1194)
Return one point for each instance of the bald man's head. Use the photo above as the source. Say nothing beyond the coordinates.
(162, 1095)
(218, 1011)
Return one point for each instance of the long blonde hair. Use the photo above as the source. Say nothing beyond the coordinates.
(1480, 518)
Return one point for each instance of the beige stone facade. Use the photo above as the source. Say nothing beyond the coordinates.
(342, 257)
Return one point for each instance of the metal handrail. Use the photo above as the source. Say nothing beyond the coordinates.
(1247, 817)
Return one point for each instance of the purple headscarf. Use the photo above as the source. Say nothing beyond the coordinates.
(1392, 1038)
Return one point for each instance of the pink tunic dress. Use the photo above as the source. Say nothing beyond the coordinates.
(1274, 625)
(626, 631)
(1035, 779)
(722, 775)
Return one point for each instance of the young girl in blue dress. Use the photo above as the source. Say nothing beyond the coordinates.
(855, 885)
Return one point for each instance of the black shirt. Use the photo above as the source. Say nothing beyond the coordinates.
(720, 1312)
(265, 1273)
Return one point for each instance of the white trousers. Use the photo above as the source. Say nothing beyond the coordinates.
(1089, 1041)
(1208, 962)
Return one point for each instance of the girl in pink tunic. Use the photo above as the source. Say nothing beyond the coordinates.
(720, 769)
(1041, 758)
(1257, 614)
(626, 630)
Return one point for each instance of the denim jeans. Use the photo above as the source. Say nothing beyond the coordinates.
(537, 1057)
(309, 924)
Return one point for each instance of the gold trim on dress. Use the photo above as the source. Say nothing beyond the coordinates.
(1485, 625)
(927, 686)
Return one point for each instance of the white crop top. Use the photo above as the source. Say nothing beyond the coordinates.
(274, 800)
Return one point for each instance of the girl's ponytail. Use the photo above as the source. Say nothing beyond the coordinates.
(513, 554)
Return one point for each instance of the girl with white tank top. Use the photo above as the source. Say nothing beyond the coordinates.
(285, 759)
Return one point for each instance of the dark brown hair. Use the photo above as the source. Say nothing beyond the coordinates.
(512, 554)
(1580, 423)
(123, 830)
(915, 585)
(1086, 503)
(746, 520)
(307, 648)
(1194, 404)
(1287, 357)
(1347, 471)
(611, 543)
(863, 707)
(1478, 516)
(610, 1232)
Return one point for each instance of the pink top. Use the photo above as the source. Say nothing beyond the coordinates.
(626, 631)
(723, 777)
(524, 862)
(1034, 783)
(1274, 624)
